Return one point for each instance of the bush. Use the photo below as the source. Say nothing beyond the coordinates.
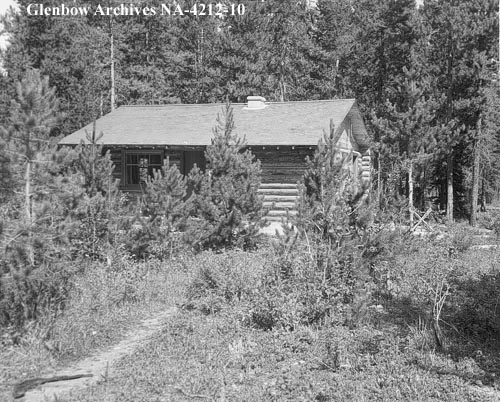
(473, 306)
(310, 284)
(28, 294)
(319, 271)
(273, 290)
(226, 278)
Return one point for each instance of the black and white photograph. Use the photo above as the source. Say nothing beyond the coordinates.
(249, 200)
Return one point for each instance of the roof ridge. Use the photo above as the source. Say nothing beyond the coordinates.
(235, 104)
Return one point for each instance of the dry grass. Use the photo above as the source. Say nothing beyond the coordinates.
(389, 355)
(104, 304)
(212, 358)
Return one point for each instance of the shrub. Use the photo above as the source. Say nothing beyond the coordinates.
(224, 278)
(307, 285)
(473, 306)
(321, 269)
(29, 293)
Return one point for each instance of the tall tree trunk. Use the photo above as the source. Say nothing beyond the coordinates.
(282, 88)
(379, 180)
(449, 188)
(410, 193)
(112, 56)
(483, 193)
(27, 195)
(28, 211)
(475, 176)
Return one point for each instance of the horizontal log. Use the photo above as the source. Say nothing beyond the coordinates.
(280, 198)
(279, 192)
(275, 206)
(278, 185)
(279, 213)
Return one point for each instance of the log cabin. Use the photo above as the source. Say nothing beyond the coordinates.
(280, 134)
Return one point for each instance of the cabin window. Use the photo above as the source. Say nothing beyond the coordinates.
(140, 165)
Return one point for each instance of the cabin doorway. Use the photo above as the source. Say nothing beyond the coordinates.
(190, 158)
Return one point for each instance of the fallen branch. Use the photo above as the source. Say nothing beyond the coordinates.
(27, 385)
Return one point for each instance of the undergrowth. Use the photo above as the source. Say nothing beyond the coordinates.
(104, 302)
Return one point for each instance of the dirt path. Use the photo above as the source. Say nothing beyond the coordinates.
(99, 365)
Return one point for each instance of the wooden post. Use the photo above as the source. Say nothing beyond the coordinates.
(421, 220)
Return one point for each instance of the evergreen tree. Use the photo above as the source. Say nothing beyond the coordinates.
(32, 116)
(225, 197)
(241, 57)
(369, 45)
(330, 197)
(163, 213)
(99, 208)
(96, 166)
(36, 227)
(290, 52)
(337, 30)
(462, 37)
(6, 174)
(486, 147)
(407, 132)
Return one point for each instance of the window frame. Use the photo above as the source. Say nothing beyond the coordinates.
(141, 152)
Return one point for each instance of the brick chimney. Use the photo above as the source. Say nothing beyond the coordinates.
(255, 103)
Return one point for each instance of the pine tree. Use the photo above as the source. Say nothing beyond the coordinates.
(32, 115)
(408, 135)
(225, 197)
(241, 57)
(163, 214)
(6, 179)
(36, 227)
(95, 165)
(486, 147)
(73, 52)
(331, 199)
(462, 36)
(98, 211)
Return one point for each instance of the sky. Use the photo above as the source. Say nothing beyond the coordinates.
(4, 5)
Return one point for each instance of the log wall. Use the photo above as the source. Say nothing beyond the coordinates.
(116, 158)
(283, 164)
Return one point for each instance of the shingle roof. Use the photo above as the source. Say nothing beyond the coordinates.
(287, 123)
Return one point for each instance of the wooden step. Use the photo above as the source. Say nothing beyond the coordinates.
(276, 212)
(280, 206)
(280, 191)
(277, 185)
(279, 198)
